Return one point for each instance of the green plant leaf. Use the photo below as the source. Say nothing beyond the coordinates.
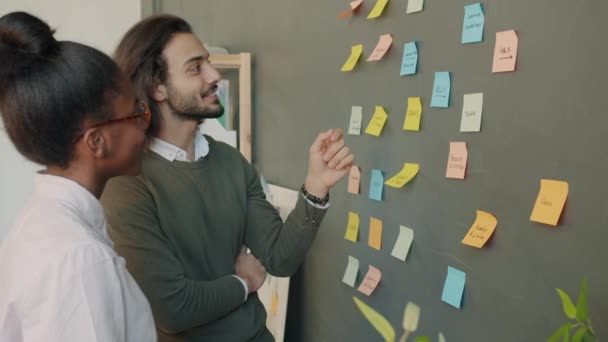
(563, 331)
(567, 304)
(579, 334)
(422, 339)
(582, 310)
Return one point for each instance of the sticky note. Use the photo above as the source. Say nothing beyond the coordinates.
(407, 173)
(411, 317)
(413, 114)
(472, 25)
(376, 124)
(441, 90)
(422, 339)
(350, 275)
(457, 160)
(355, 53)
(403, 243)
(371, 280)
(472, 107)
(354, 180)
(414, 6)
(377, 321)
(356, 117)
(505, 51)
(352, 227)
(354, 7)
(453, 287)
(550, 202)
(378, 9)
(384, 43)
(441, 338)
(375, 233)
(481, 230)
(409, 63)
(376, 185)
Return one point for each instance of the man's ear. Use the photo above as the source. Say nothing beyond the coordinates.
(96, 142)
(159, 92)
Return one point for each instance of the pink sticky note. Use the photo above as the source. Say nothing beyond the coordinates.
(372, 278)
(354, 7)
(354, 180)
(384, 43)
(457, 161)
(505, 51)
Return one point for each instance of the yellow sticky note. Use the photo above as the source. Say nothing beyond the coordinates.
(375, 233)
(371, 281)
(384, 43)
(355, 54)
(352, 227)
(413, 114)
(378, 9)
(505, 51)
(409, 171)
(354, 180)
(481, 230)
(376, 124)
(377, 321)
(550, 202)
(274, 303)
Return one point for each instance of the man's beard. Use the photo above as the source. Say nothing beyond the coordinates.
(189, 108)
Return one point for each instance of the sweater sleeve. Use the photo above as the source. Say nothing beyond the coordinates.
(281, 247)
(178, 303)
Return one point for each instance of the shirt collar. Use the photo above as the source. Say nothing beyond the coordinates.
(174, 153)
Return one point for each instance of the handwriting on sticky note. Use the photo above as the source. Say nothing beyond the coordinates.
(351, 61)
(505, 51)
(376, 185)
(352, 227)
(481, 230)
(472, 25)
(453, 287)
(457, 160)
(411, 317)
(384, 43)
(378, 9)
(377, 321)
(407, 173)
(375, 233)
(413, 114)
(354, 7)
(472, 107)
(409, 63)
(354, 180)
(403, 243)
(441, 90)
(377, 122)
(356, 116)
(371, 280)
(414, 6)
(350, 275)
(550, 202)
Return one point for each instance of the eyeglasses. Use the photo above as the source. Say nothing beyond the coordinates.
(141, 111)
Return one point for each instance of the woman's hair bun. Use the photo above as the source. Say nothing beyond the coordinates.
(24, 33)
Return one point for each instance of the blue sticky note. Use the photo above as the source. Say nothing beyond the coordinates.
(454, 287)
(441, 90)
(376, 185)
(472, 25)
(409, 63)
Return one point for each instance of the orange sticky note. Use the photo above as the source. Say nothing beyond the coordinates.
(378, 9)
(371, 281)
(354, 180)
(384, 43)
(352, 227)
(481, 230)
(505, 51)
(375, 233)
(354, 7)
(457, 160)
(550, 202)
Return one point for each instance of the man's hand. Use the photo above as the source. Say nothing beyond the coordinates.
(250, 269)
(329, 160)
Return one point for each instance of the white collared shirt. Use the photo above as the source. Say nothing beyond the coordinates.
(60, 278)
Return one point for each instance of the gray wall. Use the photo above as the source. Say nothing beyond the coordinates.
(546, 120)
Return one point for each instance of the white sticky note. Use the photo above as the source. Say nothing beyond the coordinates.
(472, 108)
(350, 275)
(411, 317)
(356, 115)
(414, 6)
(442, 338)
(403, 243)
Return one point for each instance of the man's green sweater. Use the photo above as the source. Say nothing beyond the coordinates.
(181, 225)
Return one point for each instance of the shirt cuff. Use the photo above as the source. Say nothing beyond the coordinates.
(318, 206)
(244, 286)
